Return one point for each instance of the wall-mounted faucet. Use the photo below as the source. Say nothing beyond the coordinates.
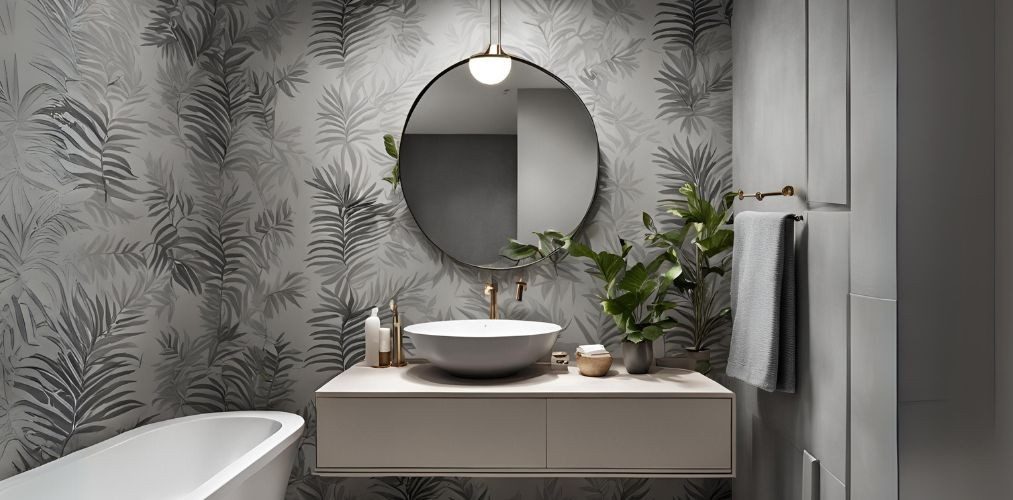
(519, 292)
(491, 290)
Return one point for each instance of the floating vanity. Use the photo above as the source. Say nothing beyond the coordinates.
(420, 421)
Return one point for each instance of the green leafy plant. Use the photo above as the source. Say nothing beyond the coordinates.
(702, 245)
(395, 172)
(635, 296)
(679, 278)
(548, 242)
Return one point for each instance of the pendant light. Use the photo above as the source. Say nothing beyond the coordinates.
(492, 66)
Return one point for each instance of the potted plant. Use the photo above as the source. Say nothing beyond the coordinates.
(682, 279)
(636, 296)
(702, 245)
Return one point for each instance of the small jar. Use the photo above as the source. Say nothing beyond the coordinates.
(560, 361)
(384, 347)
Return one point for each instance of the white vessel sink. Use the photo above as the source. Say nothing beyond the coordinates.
(483, 348)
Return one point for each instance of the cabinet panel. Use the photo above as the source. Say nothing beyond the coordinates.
(828, 101)
(407, 433)
(620, 433)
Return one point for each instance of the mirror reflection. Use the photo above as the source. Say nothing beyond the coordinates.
(482, 165)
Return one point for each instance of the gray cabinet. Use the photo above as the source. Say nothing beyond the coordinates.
(416, 421)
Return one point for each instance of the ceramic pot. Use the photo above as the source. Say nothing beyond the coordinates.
(637, 358)
(595, 366)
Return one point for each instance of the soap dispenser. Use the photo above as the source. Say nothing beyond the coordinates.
(373, 338)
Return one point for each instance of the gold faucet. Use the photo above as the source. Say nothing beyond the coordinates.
(491, 289)
(519, 292)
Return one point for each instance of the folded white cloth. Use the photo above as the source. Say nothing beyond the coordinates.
(592, 350)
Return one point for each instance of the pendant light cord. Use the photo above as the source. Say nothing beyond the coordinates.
(499, 24)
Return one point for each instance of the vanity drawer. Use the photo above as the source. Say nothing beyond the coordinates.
(430, 433)
(685, 435)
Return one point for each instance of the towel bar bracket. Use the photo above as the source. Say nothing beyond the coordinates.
(788, 190)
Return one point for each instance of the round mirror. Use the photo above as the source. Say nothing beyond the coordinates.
(486, 168)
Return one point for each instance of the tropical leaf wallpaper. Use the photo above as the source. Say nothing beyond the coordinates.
(193, 217)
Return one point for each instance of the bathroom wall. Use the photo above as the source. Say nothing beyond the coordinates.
(192, 216)
(791, 128)
(946, 157)
(917, 417)
(1004, 242)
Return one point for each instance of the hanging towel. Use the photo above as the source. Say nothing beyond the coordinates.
(762, 352)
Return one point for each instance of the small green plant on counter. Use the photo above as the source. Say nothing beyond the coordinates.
(636, 295)
(395, 172)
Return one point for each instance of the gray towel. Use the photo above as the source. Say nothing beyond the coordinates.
(762, 351)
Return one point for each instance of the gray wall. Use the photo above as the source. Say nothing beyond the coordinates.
(463, 191)
(1004, 241)
(945, 169)
(557, 155)
(873, 298)
(772, 120)
(815, 107)
(923, 396)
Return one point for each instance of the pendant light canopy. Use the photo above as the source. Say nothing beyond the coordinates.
(493, 65)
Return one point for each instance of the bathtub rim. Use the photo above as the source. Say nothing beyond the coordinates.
(241, 468)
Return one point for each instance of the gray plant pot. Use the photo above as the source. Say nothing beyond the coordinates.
(637, 358)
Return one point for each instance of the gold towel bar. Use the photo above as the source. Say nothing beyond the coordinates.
(788, 190)
(785, 191)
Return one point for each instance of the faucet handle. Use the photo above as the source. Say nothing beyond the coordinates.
(521, 286)
(490, 287)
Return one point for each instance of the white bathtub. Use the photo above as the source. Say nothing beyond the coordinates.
(237, 455)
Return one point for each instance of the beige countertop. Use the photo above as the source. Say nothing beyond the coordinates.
(422, 380)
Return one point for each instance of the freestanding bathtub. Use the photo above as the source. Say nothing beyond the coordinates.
(223, 456)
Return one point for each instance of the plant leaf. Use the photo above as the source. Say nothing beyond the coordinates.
(390, 146)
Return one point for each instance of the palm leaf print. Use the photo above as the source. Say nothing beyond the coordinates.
(98, 143)
(348, 222)
(408, 33)
(409, 488)
(682, 23)
(261, 378)
(231, 264)
(701, 164)
(338, 338)
(693, 91)
(621, 14)
(28, 137)
(558, 27)
(88, 383)
(209, 118)
(30, 264)
(181, 28)
(462, 488)
(625, 489)
(707, 490)
(171, 212)
(346, 116)
(345, 30)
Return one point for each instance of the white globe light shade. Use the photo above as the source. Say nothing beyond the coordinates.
(489, 69)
